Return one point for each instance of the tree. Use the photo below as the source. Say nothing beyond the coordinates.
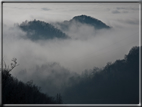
(6, 70)
(59, 99)
(17, 92)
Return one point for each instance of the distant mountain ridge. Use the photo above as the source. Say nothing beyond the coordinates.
(91, 21)
(37, 30)
(40, 30)
(84, 19)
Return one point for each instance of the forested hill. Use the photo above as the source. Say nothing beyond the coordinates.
(116, 83)
(90, 21)
(84, 19)
(40, 30)
(17, 92)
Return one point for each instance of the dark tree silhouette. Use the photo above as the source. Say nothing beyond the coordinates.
(40, 30)
(17, 92)
(116, 83)
(59, 99)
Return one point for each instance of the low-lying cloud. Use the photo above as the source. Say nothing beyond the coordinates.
(51, 77)
(51, 63)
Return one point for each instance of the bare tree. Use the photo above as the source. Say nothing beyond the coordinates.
(13, 65)
(7, 69)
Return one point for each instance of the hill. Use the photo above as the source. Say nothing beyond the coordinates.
(84, 19)
(116, 83)
(17, 92)
(40, 30)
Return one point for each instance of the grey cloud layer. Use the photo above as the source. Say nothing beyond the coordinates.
(51, 63)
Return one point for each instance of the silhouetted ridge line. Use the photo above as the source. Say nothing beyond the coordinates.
(17, 92)
(90, 21)
(116, 83)
(83, 19)
(40, 30)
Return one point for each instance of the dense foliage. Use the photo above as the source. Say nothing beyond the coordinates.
(17, 92)
(40, 30)
(83, 19)
(90, 21)
(116, 83)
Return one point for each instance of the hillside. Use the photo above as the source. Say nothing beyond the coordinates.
(84, 19)
(17, 92)
(39, 30)
(116, 83)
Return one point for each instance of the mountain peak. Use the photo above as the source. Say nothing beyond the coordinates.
(81, 17)
(90, 21)
(37, 29)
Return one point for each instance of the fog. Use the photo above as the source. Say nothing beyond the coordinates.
(50, 63)
(76, 54)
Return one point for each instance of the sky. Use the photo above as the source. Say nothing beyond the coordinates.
(93, 48)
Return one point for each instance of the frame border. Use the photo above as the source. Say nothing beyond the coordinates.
(70, 105)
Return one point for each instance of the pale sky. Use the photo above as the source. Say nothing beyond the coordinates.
(16, 12)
